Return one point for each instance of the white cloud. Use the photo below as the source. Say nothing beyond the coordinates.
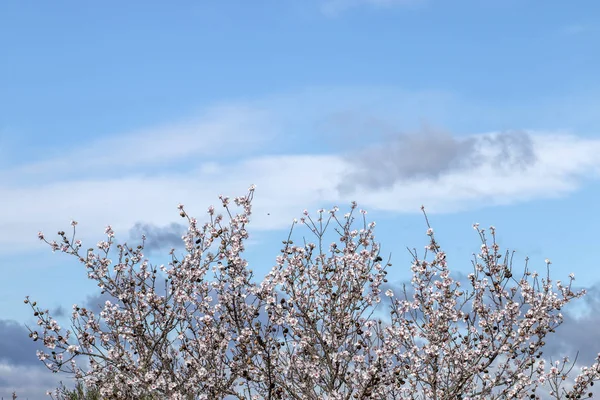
(286, 185)
(142, 176)
(562, 163)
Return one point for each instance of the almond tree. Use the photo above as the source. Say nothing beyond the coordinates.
(308, 331)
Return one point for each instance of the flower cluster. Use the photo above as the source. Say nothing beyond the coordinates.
(307, 331)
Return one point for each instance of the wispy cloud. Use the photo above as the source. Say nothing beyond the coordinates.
(112, 181)
(220, 131)
(333, 7)
(576, 29)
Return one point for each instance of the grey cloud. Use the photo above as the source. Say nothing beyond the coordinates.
(578, 333)
(515, 149)
(16, 348)
(59, 312)
(30, 382)
(158, 237)
(431, 153)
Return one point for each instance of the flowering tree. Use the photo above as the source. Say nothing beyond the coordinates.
(308, 331)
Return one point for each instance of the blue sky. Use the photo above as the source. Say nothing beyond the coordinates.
(113, 113)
